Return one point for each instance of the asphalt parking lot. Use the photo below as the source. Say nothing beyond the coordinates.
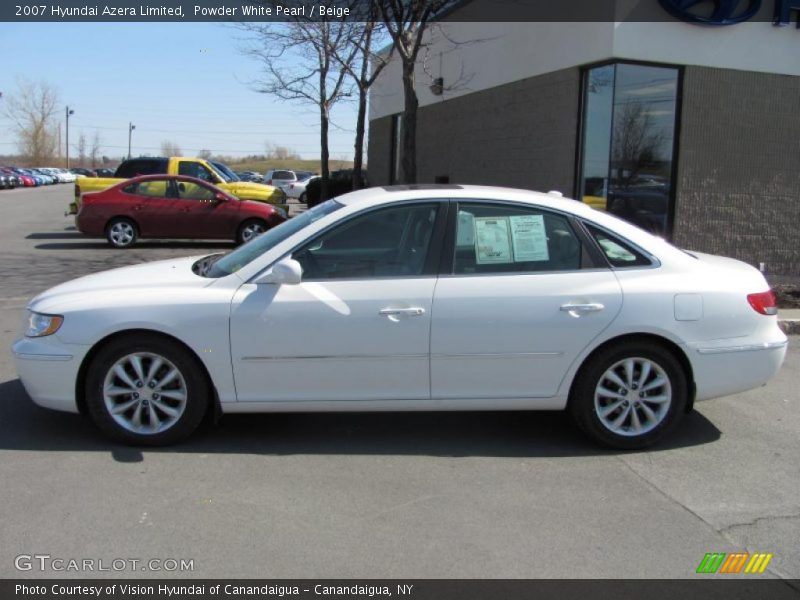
(388, 495)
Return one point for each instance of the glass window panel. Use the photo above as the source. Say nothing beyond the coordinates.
(599, 106)
(152, 189)
(194, 191)
(385, 243)
(506, 239)
(629, 126)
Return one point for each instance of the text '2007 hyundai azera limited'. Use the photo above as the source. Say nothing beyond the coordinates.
(410, 298)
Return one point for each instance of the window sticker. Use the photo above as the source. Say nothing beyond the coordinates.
(529, 238)
(492, 241)
(466, 229)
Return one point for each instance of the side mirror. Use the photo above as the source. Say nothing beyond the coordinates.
(220, 197)
(285, 272)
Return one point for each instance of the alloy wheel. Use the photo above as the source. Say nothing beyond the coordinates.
(633, 396)
(252, 230)
(145, 393)
(121, 233)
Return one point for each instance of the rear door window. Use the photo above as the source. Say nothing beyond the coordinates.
(497, 238)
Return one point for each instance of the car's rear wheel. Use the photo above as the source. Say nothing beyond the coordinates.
(250, 229)
(146, 390)
(303, 198)
(121, 232)
(629, 396)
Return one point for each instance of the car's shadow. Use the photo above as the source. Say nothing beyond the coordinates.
(55, 235)
(24, 426)
(97, 244)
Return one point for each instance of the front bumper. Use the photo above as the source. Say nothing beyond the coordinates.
(48, 370)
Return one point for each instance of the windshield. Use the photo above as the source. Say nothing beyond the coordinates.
(224, 172)
(244, 255)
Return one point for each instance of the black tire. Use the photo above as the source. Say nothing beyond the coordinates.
(121, 232)
(583, 403)
(191, 382)
(303, 198)
(243, 233)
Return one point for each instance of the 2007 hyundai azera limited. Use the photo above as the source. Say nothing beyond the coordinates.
(410, 298)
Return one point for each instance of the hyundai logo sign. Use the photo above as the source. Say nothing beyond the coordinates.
(725, 12)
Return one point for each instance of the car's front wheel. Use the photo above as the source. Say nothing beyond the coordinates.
(146, 390)
(121, 232)
(630, 396)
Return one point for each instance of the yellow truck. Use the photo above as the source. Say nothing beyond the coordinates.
(211, 171)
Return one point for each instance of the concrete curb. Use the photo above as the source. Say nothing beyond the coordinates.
(789, 326)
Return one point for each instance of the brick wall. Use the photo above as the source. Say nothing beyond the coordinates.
(518, 135)
(738, 187)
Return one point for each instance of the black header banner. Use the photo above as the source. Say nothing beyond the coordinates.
(409, 589)
(780, 12)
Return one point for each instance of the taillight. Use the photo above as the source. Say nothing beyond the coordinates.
(269, 181)
(763, 303)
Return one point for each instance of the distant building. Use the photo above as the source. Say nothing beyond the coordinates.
(688, 130)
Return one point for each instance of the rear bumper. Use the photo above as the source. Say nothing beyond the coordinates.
(732, 366)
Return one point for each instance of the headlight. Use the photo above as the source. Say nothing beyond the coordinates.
(40, 325)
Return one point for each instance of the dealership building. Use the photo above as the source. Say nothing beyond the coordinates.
(686, 129)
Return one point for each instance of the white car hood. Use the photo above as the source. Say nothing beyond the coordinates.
(172, 273)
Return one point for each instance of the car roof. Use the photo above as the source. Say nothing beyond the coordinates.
(555, 201)
(392, 193)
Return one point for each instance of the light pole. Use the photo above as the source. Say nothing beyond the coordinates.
(68, 112)
(131, 127)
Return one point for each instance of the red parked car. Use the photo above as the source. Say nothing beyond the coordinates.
(172, 206)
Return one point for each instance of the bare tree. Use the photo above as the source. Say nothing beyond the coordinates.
(32, 110)
(205, 153)
(406, 22)
(94, 151)
(169, 148)
(637, 142)
(298, 66)
(80, 148)
(363, 68)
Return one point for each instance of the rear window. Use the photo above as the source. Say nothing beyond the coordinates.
(619, 253)
(141, 166)
(283, 175)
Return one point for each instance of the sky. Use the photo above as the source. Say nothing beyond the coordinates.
(187, 83)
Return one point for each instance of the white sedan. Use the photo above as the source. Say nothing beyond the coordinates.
(297, 189)
(410, 298)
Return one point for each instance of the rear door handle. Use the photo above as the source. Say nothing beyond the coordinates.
(413, 312)
(579, 309)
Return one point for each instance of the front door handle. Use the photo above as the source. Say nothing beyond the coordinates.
(579, 309)
(411, 312)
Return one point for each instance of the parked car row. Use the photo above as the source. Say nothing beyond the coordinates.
(251, 176)
(11, 177)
